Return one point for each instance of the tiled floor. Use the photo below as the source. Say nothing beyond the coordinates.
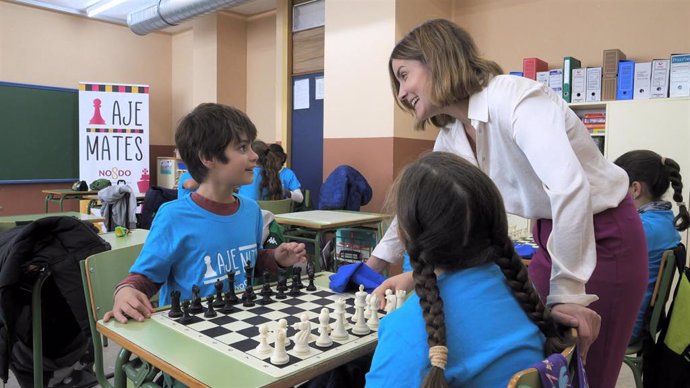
(625, 379)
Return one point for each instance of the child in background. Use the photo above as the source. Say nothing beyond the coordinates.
(291, 185)
(266, 185)
(186, 185)
(199, 238)
(650, 176)
(475, 318)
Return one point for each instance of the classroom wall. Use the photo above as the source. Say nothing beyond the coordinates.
(509, 30)
(261, 75)
(182, 82)
(49, 48)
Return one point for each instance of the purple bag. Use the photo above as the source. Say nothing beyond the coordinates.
(554, 372)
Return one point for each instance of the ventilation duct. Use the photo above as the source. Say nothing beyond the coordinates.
(169, 13)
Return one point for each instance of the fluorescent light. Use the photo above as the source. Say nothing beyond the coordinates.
(102, 6)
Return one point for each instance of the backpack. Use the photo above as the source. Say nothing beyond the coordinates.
(99, 184)
(155, 197)
(80, 186)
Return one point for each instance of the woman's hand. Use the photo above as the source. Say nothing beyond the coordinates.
(403, 281)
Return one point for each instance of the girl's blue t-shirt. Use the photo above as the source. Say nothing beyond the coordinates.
(489, 337)
(181, 191)
(188, 245)
(289, 180)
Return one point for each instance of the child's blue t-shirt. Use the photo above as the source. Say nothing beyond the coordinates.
(289, 180)
(181, 191)
(661, 236)
(488, 335)
(189, 245)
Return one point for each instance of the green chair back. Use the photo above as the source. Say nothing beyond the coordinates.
(307, 199)
(277, 207)
(5, 226)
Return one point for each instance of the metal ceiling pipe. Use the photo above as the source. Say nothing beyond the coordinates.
(169, 13)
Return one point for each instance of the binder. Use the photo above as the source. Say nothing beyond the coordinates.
(593, 84)
(679, 83)
(610, 62)
(579, 85)
(531, 66)
(543, 77)
(569, 63)
(608, 87)
(626, 77)
(643, 80)
(556, 81)
(660, 72)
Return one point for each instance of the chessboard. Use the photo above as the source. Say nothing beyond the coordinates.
(237, 333)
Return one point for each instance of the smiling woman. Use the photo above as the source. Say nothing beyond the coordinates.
(542, 160)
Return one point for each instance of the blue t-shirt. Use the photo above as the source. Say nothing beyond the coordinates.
(181, 191)
(189, 245)
(661, 236)
(289, 180)
(489, 337)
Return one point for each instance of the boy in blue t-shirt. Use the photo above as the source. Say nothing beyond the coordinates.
(199, 238)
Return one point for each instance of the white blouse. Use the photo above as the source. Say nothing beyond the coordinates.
(545, 164)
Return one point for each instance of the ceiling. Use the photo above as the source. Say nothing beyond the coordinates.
(118, 14)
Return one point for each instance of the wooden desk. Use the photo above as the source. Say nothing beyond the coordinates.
(34, 217)
(196, 364)
(60, 195)
(94, 200)
(329, 219)
(134, 237)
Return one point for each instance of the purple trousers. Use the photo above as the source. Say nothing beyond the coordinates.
(619, 280)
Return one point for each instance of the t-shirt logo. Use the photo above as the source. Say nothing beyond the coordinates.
(231, 260)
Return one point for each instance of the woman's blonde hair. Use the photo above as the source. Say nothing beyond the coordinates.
(457, 70)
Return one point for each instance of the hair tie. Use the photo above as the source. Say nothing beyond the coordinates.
(439, 356)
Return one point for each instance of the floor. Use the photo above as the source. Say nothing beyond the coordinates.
(625, 379)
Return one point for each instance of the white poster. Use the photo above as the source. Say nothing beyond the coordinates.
(300, 97)
(114, 134)
(318, 93)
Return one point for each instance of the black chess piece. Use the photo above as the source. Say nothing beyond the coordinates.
(218, 302)
(281, 291)
(266, 299)
(210, 312)
(247, 300)
(249, 272)
(297, 272)
(282, 281)
(231, 280)
(250, 290)
(266, 288)
(227, 307)
(175, 310)
(196, 306)
(186, 318)
(294, 287)
(310, 273)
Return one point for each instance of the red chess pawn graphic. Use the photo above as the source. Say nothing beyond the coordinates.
(97, 118)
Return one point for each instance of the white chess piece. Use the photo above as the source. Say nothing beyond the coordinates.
(279, 356)
(302, 336)
(282, 323)
(209, 270)
(373, 321)
(360, 327)
(400, 298)
(324, 329)
(390, 301)
(263, 348)
(367, 308)
(339, 333)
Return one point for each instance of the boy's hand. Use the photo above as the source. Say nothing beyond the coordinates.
(289, 254)
(403, 281)
(129, 302)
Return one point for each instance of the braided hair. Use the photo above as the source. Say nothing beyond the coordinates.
(270, 188)
(451, 217)
(656, 173)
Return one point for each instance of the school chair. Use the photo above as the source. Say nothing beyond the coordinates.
(529, 378)
(278, 206)
(100, 274)
(657, 307)
(5, 226)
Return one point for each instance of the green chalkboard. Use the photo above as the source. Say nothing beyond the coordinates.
(39, 133)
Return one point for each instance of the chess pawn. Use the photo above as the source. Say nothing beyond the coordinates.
(373, 321)
(175, 309)
(282, 323)
(263, 348)
(303, 328)
(196, 306)
(324, 339)
(400, 298)
(367, 309)
(279, 356)
(218, 302)
(210, 312)
(390, 301)
(339, 333)
(186, 318)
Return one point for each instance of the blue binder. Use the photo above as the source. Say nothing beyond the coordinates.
(626, 76)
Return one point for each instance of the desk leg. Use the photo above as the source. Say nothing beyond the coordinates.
(49, 198)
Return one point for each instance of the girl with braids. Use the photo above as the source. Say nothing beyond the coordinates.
(650, 175)
(291, 185)
(266, 184)
(546, 167)
(475, 318)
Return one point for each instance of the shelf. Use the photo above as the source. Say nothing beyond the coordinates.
(597, 134)
(603, 104)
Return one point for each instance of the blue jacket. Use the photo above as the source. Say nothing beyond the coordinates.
(345, 189)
